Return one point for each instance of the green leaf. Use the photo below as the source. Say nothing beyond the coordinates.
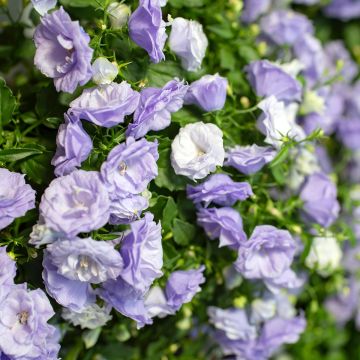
(187, 3)
(83, 3)
(9, 155)
(169, 213)
(7, 103)
(280, 157)
(159, 74)
(184, 116)
(223, 30)
(183, 232)
(90, 337)
(38, 168)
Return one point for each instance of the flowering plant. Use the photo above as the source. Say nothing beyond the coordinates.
(188, 165)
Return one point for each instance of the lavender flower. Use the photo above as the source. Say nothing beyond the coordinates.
(319, 197)
(249, 159)
(253, 9)
(91, 317)
(73, 294)
(85, 260)
(75, 203)
(43, 6)
(7, 268)
(197, 150)
(127, 210)
(268, 79)
(42, 235)
(208, 93)
(73, 147)
(25, 333)
(219, 189)
(155, 108)
(142, 253)
(62, 51)
(16, 197)
(189, 42)
(126, 300)
(223, 223)
(147, 29)
(343, 9)
(287, 280)
(348, 131)
(156, 304)
(285, 27)
(182, 286)
(267, 254)
(106, 105)
(279, 331)
(130, 167)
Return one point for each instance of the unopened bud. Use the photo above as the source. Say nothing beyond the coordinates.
(104, 72)
(118, 14)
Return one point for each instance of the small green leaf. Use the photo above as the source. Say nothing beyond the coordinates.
(9, 155)
(38, 168)
(280, 157)
(7, 103)
(169, 213)
(183, 231)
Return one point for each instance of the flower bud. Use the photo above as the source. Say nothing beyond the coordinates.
(118, 14)
(104, 72)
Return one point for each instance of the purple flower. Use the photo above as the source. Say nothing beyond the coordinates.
(7, 268)
(285, 27)
(73, 294)
(147, 29)
(105, 105)
(182, 286)
(73, 147)
(189, 42)
(308, 50)
(142, 253)
(127, 210)
(269, 79)
(253, 9)
(336, 51)
(85, 260)
(319, 195)
(348, 131)
(224, 223)
(267, 254)
(287, 280)
(208, 93)
(62, 51)
(76, 203)
(130, 167)
(25, 333)
(233, 322)
(43, 6)
(126, 300)
(343, 9)
(344, 304)
(279, 331)
(16, 197)
(249, 159)
(155, 108)
(219, 189)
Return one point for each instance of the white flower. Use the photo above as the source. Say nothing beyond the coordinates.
(104, 72)
(304, 163)
(118, 14)
(91, 317)
(188, 41)
(324, 256)
(292, 68)
(43, 6)
(197, 150)
(42, 235)
(262, 309)
(278, 121)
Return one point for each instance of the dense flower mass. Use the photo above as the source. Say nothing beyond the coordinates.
(201, 197)
(62, 51)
